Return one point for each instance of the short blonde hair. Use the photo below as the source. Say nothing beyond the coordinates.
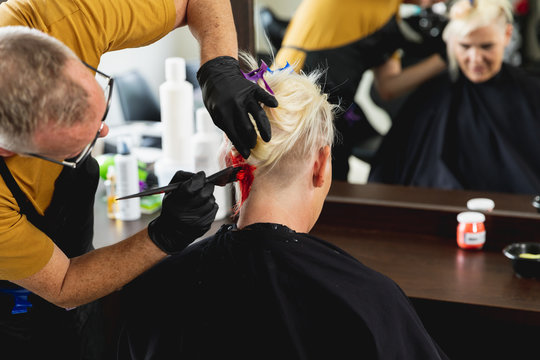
(302, 124)
(466, 17)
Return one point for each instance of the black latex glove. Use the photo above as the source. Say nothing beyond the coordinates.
(186, 214)
(418, 35)
(229, 97)
(423, 34)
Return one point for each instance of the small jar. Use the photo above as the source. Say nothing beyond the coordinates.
(471, 232)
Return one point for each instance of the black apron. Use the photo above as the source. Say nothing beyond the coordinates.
(46, 330)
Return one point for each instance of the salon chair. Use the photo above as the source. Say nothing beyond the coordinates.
(138, 102)
(136, 98)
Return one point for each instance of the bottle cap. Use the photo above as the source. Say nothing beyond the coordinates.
(471, 217)
(480, 204)
(175, 69)
(122, 146)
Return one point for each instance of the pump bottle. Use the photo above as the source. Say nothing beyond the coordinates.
(206, 146)
(176, 101)
(127, 182)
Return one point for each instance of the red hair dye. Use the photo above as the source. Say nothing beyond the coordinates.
(244, 177)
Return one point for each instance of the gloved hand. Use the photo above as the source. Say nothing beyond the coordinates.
(229, 97)
(186, 214)
(423, 34)
(418, 35)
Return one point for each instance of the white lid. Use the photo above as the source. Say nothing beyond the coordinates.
(480, 204)
(204, 121)
(175, 69)
(471, 217)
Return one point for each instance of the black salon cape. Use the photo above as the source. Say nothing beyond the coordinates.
(267, 292)
(463, 135)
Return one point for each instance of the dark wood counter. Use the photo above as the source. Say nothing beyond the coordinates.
(470, 301)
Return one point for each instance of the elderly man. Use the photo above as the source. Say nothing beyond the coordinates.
(52, 110)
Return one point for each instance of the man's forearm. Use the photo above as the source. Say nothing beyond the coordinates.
(211, 23)
(102, 271)
(391, 81)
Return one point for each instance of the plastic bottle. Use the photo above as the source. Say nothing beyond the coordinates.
(127, 182)
(206, 146)
(110, 189)
(471, 232)
(176, 101)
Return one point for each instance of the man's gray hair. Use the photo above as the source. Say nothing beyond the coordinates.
(35, 90)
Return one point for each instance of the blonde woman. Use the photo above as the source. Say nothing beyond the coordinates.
(475, 128)
(264, 288)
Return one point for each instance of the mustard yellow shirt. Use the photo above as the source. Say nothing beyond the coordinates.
(90, 28)
(328, 24)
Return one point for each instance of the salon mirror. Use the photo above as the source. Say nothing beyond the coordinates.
(524, 51)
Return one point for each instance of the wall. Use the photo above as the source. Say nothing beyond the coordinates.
(284, 9)
(150, 61)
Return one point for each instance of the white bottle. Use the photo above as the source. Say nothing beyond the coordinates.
(127, 182)
(206, 146)
(176, 101)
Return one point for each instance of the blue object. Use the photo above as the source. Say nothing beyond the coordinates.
(21, 300)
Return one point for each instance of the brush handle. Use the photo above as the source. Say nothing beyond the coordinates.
(209, 179)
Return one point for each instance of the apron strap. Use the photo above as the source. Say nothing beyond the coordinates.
(19, 294)
(22, 200)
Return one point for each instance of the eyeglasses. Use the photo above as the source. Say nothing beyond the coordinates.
(85, 153)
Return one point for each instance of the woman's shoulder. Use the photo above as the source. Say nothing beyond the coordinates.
(521, 76)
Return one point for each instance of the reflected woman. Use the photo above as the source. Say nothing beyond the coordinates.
(265, 288)
(477, 127)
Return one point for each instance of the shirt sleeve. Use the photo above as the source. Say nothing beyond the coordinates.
(24, 250)
(92, 27)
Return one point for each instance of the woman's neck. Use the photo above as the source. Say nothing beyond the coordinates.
(286, 207)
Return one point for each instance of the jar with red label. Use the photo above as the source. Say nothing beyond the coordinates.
(471, 232)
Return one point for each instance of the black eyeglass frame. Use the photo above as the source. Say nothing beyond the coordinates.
(85, 153)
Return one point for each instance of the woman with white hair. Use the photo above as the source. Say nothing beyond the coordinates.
(264, 288)
(475, 128)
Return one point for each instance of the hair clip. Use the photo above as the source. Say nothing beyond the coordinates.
(258, 74)
(287, 65)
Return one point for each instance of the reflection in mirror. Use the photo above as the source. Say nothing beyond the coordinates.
(497, 155)
(476, 129)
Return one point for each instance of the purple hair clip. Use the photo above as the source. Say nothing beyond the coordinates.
(257, 75)
(472, 3)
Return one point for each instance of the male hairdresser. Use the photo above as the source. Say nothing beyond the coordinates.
(347, 39)
(52, 110)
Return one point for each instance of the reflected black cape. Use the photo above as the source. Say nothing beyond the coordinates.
(467, 136)
(267, 292)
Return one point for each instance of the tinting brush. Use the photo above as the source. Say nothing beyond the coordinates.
(221, 178)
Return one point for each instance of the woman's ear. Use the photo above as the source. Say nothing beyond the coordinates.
(321, 166)
(508, 34)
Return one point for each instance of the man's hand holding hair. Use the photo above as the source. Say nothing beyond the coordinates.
(229, 97)
(187, 213)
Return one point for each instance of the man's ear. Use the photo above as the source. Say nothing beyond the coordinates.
(320, 166)
(6, 153)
